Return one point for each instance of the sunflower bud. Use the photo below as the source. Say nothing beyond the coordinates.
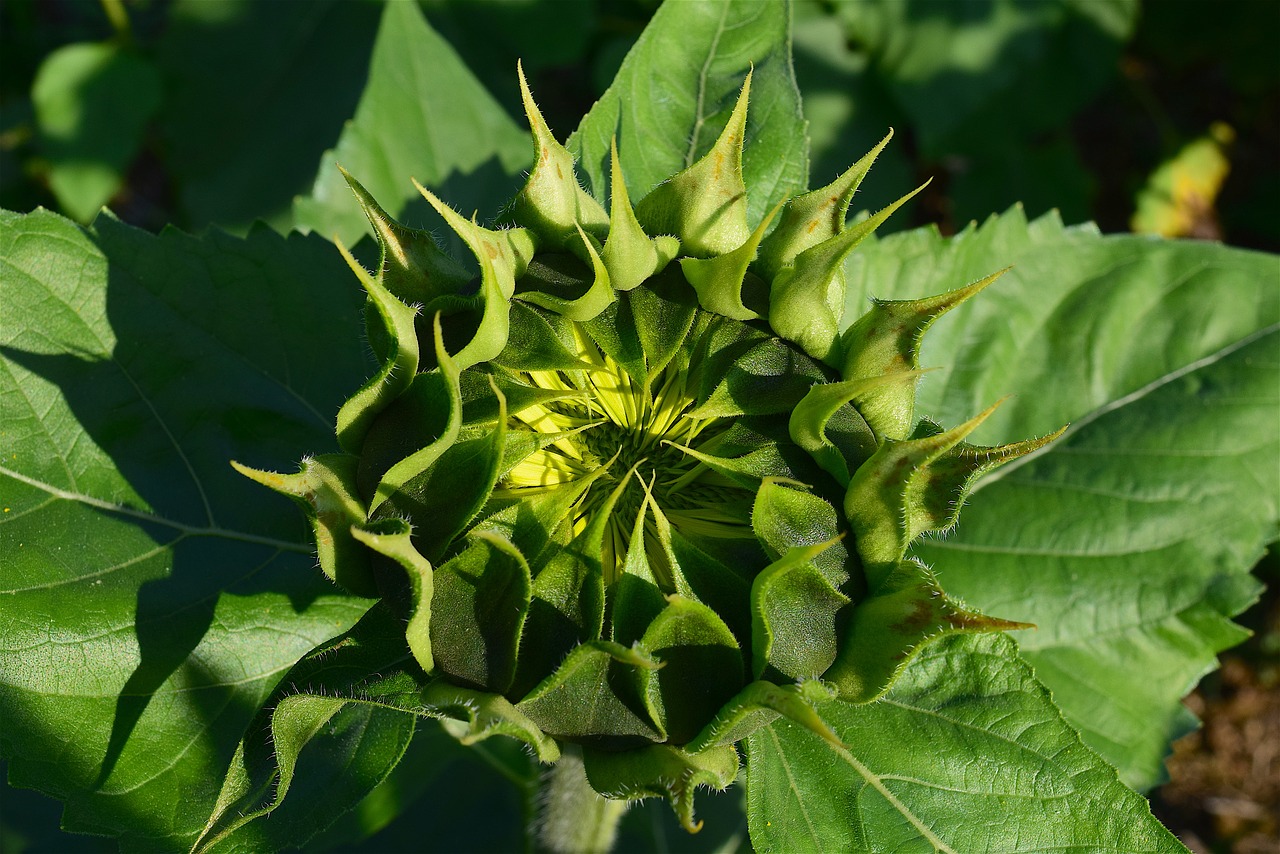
(647, 495)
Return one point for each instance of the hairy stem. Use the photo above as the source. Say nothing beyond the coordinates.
(576, 820)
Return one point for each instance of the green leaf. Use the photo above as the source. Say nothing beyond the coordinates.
(960, 67)
(885, 490)
(567, 603)
(153, 597)
(967, 752)
(889, 626)
(453, 489)
(769, 377)
(480, 715)
(325, 488)
(580, 303)
(675, 92)
(539, 340)
(760, 704)
(393, 323)
(1138, 527)
(784, 518)
(822, 403)
(92, 105)
(722, 282)
(254, 93)
(663, 313)
(340, 725)
(629, 253)
(704, 205)
(886, 339)
(805, 300)
(552, 202)
(394, 453)
(423, 115)
(1160, 508)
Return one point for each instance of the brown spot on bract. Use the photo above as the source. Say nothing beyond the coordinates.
(920, 618)
(559, 174)
(491, 250)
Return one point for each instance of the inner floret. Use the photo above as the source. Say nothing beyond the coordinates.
(608, 420)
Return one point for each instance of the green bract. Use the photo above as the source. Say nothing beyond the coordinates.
(628, 485)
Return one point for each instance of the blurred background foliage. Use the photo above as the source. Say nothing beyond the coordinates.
(1160, 116)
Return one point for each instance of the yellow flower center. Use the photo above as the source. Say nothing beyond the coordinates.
(607, 419)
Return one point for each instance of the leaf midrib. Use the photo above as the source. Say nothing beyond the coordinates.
(146, 516)
(699, 118)
(1126, 400)
(874, 781)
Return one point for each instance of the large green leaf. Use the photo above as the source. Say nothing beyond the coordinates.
(254, 92)
(965, 753)
(152, 597)
(423, 115)
(675, 92)
(1129, 540)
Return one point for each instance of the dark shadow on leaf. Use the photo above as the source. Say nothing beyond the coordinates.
(209, 359)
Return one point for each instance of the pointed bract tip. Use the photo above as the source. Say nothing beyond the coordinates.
(536, 123)
(286, 484)
(974, 422)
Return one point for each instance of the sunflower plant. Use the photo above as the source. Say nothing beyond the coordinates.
(650, 494)
(637, 496)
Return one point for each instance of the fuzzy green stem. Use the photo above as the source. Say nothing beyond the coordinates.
(575, 819)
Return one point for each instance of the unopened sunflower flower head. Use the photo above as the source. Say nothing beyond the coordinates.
(631, 481)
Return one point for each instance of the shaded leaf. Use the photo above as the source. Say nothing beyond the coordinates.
(956, 67)
(335, 751)
(422, 115)
(484, 592)
(254, 93)
(154, 597)
(664, 771)
(92, 104)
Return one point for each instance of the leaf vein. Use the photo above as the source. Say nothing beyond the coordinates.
(145, 516)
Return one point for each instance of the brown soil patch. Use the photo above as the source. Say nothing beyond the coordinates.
(1224, 791)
